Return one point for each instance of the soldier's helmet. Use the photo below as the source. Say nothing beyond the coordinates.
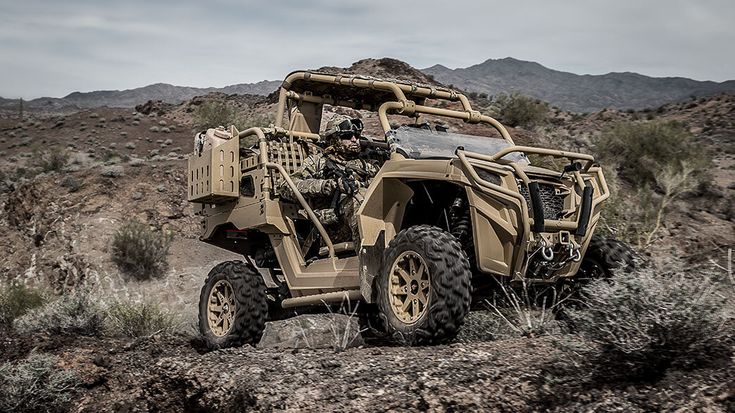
(338, 134)
(341, 126)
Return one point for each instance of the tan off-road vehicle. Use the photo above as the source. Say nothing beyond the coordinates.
(447, 216)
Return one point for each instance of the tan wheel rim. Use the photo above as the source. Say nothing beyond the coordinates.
(410, 287)
(221, 308)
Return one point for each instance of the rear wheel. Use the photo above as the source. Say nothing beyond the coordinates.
(232, 306)
(424, 286)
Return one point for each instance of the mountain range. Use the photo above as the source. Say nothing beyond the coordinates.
(132, 97)
(572, 92)
(568, 91)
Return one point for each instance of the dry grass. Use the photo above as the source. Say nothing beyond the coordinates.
(131, 319)
(77, 313)
(35, 384)
(528, 311)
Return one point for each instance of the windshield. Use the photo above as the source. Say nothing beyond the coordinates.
(420, 143)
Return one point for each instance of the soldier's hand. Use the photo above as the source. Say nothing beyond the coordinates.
(347, 184)
(329, 186)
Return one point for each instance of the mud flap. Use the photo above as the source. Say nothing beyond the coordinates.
(371, 257)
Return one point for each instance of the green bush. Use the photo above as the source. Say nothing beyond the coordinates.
(516, 109)
(140, 251)
(130, 319)
(213, 114)
(15, 301)
(76, 313)
(35, 384)
(642, 150)
(644, 322)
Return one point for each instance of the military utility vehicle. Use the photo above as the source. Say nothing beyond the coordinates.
(447, 216)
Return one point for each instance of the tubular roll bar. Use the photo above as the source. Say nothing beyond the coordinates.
(262, 146)
(402, 104)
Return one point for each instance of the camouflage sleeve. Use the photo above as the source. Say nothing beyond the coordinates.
(372, 168)
(309, 180)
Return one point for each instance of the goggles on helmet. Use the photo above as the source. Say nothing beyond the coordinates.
(349, 127)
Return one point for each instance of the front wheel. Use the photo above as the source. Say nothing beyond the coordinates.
(424, 286)
(232, 306)
(605, 256)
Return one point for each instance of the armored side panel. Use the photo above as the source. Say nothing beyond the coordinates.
(214, 175)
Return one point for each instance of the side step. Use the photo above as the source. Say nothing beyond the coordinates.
(326, 298)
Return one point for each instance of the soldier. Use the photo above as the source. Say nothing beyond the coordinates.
(332, 181)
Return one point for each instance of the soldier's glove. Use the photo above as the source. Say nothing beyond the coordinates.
(347, 184)
(329, 186)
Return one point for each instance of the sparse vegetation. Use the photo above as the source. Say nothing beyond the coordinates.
(217, 113)
(525, 312)
(77, 313)
(642, 150)
(213, 114)
(139, 251)
(516, 109)
(642, 323)
(15, 301)
(661, 162)
(71, 183)
(51, 161)
(35, 384)
(130, 319)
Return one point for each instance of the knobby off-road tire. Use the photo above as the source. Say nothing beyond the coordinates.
(604, 257)
(237, 284)
(441, 293)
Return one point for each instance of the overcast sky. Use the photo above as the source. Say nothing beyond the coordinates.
(52, 48)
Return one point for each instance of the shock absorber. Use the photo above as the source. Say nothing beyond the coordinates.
(459, 216)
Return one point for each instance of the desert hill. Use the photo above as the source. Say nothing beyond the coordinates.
(572, 92)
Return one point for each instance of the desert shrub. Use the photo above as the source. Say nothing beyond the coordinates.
(636, 214)
(213, 114)
(16, 300)
(52, 161)
(71, 183)
(644, 322)
(131, 319)
(139, 251)
(217, 113)
(642, 151)
(35, 384)
(661, 161)
(516, 109)
(77, 313)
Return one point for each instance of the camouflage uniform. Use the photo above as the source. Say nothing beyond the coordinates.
(316, 181)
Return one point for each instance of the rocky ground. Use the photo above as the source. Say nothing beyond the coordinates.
(171, 373)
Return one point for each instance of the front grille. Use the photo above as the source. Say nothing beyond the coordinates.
(553, 203)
